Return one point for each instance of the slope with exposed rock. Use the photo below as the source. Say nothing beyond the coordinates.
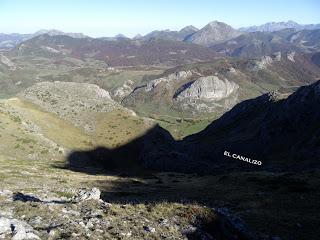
(213, 33)
(268, 129)
(217, 86)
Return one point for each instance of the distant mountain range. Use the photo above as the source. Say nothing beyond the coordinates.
(213, 33)
(257, 44)
(170, 35)
(276, 26)
(124, 52)
(8, 41)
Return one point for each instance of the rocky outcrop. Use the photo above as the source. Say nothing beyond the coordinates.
(124, 90)
(290, 56)
(16, 229)
(84, 194)
(174, 77)
(208, 88)
(265, 61)
(75, 102)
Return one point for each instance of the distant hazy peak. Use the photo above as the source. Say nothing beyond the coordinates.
(54, 32)
(276, 26)
(189, 29)
(212, 33)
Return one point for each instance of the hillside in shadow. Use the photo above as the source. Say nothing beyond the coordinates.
(155, 168)
(126, 158)
(265, 133)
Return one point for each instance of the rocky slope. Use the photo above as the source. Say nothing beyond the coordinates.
(268, 129)
(74, 102)
(217, 86)
(213, 33)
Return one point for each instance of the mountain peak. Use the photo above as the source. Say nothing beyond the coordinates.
(55, 32)
(120, 35)
(273, 26)
(189, 28)
(213, 32)
(216, 23)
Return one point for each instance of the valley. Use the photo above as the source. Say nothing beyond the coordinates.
(126, 138)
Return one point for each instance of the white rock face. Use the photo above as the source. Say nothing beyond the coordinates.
(277, 56)
(266, 61)
(208, 88)
(6, 61)
(50, 49)
(124, 90)
(290, 56)
(170, 78)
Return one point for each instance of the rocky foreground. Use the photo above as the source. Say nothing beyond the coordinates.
(83, 215)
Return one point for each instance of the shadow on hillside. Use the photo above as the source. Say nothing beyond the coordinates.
(126, 159)
(238, 191)
(136, 184)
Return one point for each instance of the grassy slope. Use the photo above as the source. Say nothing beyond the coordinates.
(287, 202)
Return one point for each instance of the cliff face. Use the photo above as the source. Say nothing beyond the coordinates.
(208, 88)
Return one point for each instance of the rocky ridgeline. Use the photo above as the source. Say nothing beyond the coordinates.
(169, 80)
(191, 91)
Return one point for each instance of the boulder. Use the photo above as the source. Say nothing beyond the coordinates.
(84, 194)
(19, 230)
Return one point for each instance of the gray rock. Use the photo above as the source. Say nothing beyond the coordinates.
(149, 229)
(19, 230)
(84, 194)
(208, 88)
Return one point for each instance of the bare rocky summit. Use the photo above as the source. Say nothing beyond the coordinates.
(213, 33)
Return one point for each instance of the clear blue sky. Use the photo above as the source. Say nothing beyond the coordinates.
(110, 17)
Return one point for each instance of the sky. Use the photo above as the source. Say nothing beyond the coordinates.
(109, 17)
